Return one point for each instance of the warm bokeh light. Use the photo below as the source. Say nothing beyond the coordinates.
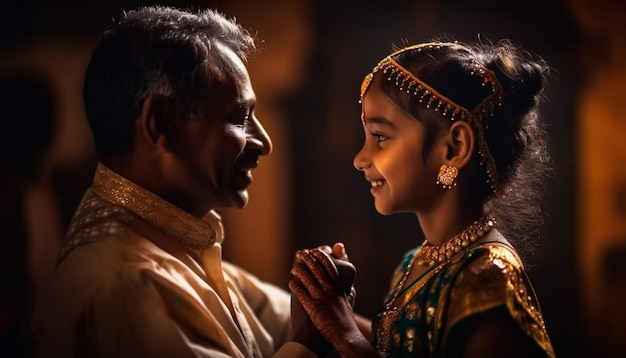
(314, 55)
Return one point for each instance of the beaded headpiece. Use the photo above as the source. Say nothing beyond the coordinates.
(431, 98)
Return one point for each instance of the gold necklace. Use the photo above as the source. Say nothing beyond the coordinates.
(390, 314)
(429, 255)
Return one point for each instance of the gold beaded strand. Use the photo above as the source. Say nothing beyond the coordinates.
(429, 255)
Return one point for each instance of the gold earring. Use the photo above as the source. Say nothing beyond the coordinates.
(447, 175)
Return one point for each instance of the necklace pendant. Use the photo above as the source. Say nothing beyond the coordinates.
(384, 331)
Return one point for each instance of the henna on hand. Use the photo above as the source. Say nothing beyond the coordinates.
(347, 271)
(305, 332)
(316, 285)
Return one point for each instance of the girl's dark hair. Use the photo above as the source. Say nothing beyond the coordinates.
(158, 50)
(515, 135)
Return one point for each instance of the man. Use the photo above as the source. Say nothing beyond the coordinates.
(171, 108)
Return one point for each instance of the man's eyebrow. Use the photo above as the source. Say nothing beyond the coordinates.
(245, 106)
(246, 103)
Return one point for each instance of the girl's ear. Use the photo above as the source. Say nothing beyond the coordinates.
(459, 144)
(155, 119)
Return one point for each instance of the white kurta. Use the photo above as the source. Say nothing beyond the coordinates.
(141, 278)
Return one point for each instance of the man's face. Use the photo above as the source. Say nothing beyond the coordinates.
(213, 156)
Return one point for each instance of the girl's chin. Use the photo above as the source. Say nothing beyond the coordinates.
(383, 210)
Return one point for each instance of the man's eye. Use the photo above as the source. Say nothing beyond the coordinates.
(241, 120)
(245, 119)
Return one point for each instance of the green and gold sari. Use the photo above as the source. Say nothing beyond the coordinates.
(482, 278)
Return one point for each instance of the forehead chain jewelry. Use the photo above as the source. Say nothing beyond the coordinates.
(430, 98)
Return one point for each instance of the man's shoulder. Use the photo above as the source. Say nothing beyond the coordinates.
(89, 268)
(82, 275)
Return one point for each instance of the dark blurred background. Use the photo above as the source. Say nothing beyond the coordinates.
(307, 76)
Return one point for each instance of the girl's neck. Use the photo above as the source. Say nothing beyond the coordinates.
(448, 219)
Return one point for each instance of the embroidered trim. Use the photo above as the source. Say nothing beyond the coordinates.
(187, 229)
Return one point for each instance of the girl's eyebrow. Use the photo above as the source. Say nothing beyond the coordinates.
(381, 121)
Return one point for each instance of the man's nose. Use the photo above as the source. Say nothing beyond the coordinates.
(257, 137)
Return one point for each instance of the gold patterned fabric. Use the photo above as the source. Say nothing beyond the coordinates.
(489, 276)
(96, 218)
(138, 277)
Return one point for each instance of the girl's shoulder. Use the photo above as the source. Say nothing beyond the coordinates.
(493, 253)
(492, 276)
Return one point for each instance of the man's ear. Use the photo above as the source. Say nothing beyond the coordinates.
(459, 144)
(154, 121)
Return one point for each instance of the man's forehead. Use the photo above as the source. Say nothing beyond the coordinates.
(232, 64)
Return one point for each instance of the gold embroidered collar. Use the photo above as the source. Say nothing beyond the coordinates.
(167, 218)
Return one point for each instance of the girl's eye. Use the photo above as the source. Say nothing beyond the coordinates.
(380, 137)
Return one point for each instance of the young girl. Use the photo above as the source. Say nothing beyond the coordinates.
(453, 135)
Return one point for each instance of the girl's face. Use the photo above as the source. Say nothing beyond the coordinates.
(402, 178)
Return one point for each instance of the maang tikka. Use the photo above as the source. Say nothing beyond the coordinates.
(429, 97)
